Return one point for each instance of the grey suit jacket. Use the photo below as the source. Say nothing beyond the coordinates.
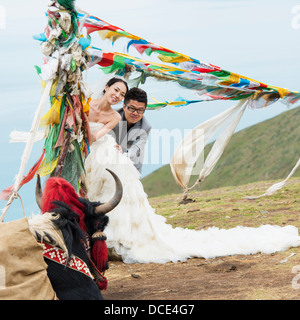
(133, 140)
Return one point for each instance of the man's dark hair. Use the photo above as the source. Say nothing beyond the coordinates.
(136, 94)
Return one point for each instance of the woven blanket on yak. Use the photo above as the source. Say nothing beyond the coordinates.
(59, 256)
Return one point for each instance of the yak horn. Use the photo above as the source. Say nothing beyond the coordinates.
(111, 204)
(38, 192)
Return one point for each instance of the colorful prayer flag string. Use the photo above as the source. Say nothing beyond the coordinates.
(214, 90)
(209, 75)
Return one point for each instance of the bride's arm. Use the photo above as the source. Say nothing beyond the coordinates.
(107, 127)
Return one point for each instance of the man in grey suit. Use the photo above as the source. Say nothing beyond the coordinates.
(132, 132)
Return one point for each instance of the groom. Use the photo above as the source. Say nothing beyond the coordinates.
(132, 131)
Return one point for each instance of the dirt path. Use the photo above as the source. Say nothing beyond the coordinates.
(229, 278)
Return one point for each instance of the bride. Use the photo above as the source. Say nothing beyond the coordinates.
(134, 231)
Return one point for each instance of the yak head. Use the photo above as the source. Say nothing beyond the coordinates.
(58, 189)
(78, 221)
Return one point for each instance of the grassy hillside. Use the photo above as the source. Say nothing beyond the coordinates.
(227, 207)
(266, 151)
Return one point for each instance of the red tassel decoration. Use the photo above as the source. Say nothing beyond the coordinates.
(100, 255)
(59, 189)
(102, 285)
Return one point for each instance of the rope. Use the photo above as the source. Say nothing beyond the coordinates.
(14, 196)
(22, 205)
(186, 190)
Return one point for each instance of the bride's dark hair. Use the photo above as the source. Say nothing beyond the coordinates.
(114, 80)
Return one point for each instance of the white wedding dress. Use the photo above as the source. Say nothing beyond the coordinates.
(141, 236)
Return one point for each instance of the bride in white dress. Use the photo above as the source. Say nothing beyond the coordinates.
(139, 235)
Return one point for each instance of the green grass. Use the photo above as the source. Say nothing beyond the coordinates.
(227, 207)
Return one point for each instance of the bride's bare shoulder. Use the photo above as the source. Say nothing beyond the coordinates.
(118, 116)
(114, 119)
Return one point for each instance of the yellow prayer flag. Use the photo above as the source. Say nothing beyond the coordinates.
(47, 168)
(53, 115)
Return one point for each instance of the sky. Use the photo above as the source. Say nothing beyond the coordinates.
(257, 39)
